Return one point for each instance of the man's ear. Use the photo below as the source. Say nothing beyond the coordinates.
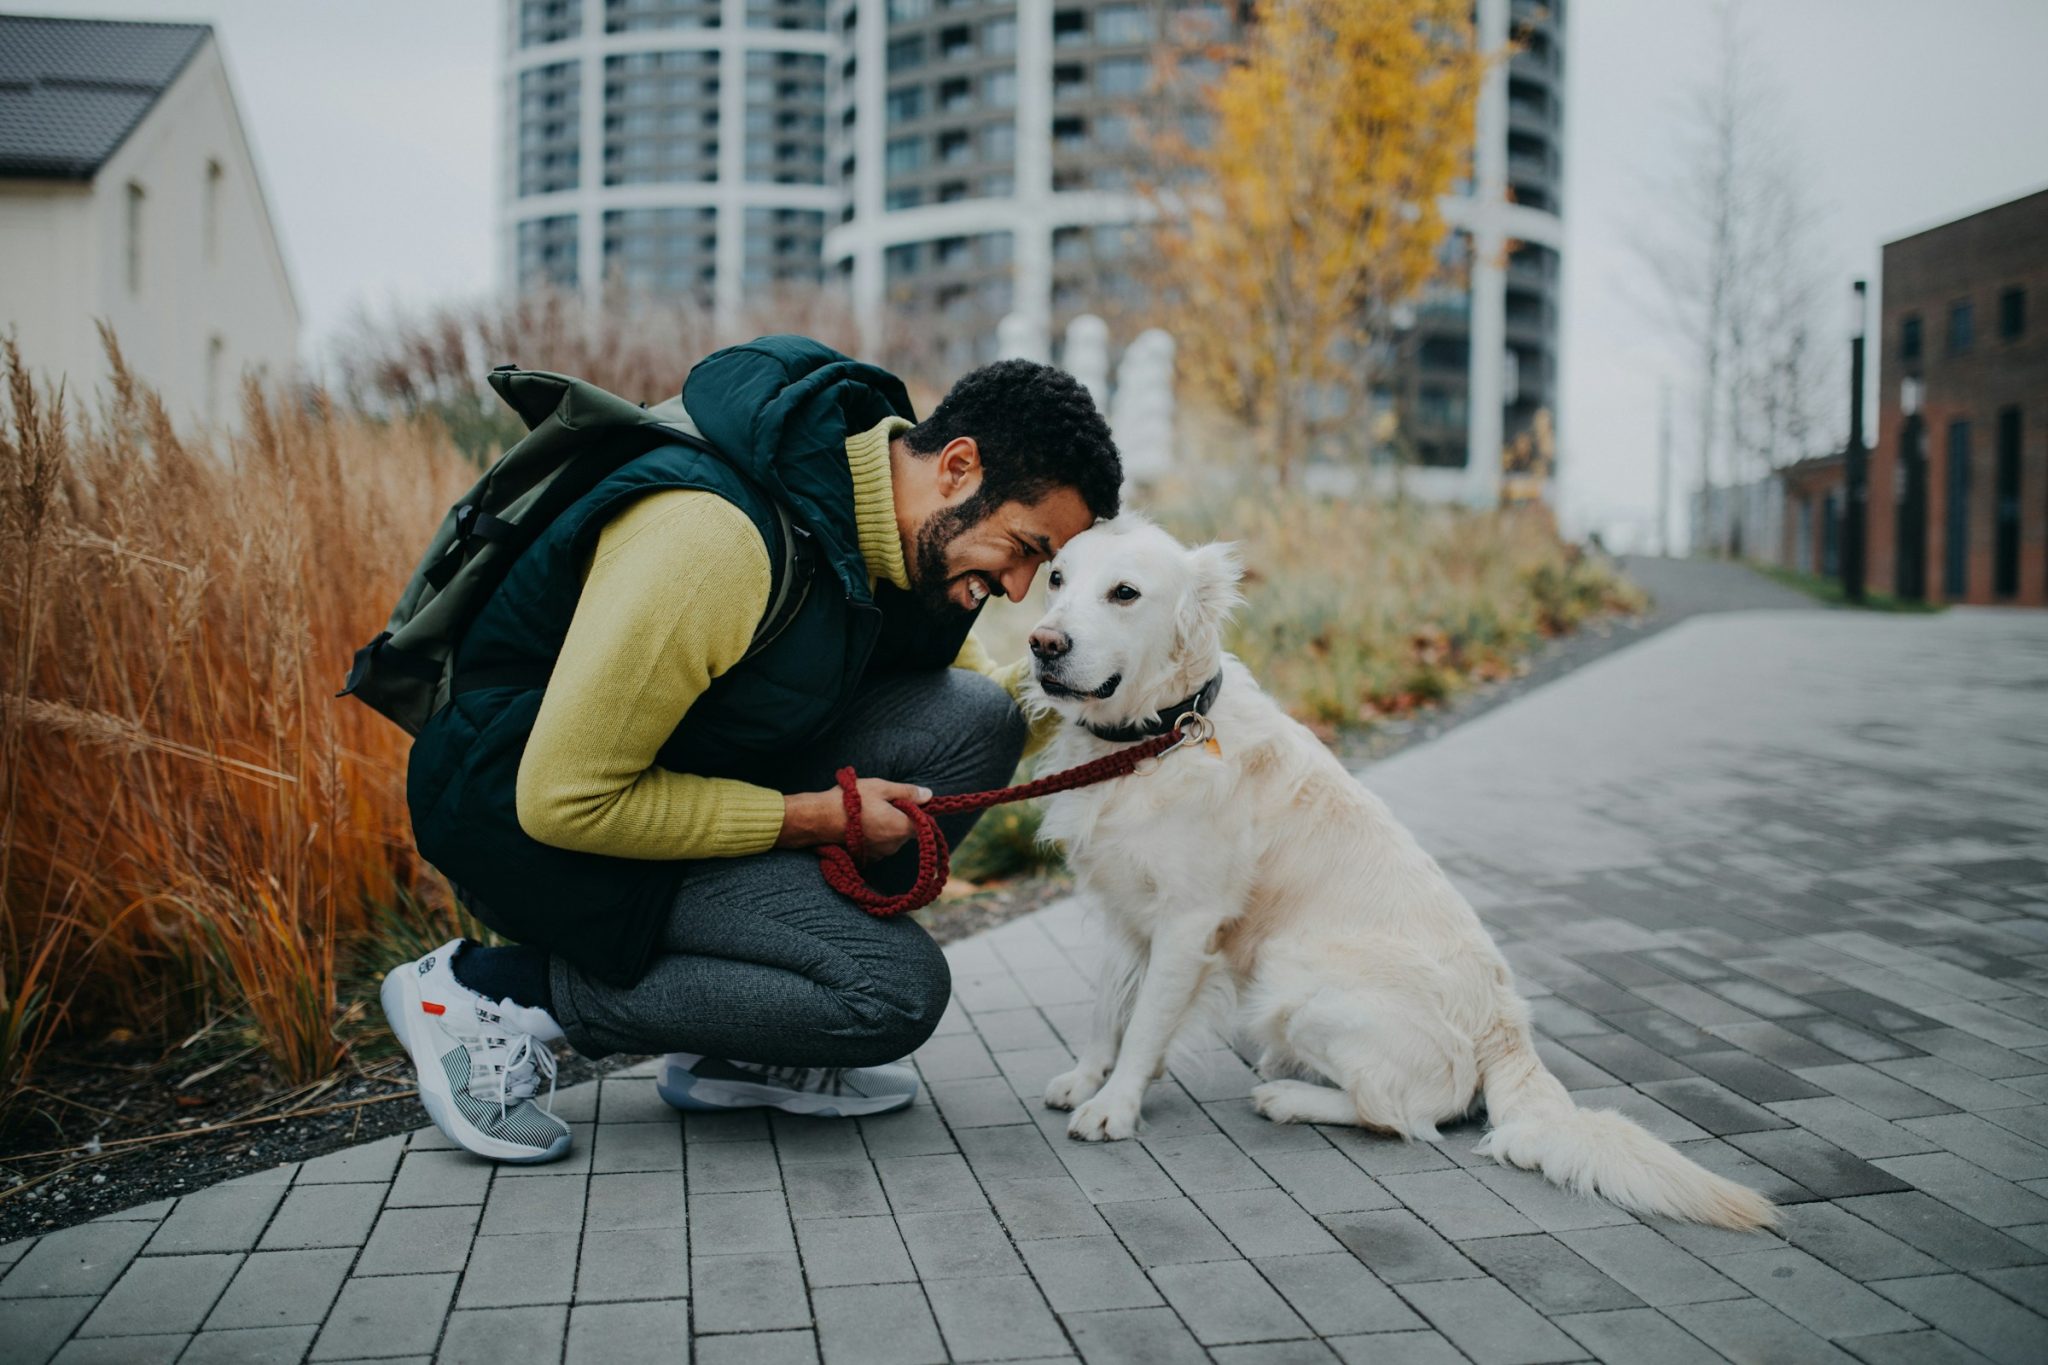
(959, 467)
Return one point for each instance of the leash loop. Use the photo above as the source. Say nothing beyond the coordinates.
(841, 863)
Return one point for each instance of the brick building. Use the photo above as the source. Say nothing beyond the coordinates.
(1959, 467)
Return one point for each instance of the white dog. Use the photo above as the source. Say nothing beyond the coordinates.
(1257, 874)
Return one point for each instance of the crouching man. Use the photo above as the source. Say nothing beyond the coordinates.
(628, 782)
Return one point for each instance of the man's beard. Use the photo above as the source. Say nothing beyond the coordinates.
(928, 580)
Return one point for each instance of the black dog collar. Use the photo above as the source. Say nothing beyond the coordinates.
(1199, 703)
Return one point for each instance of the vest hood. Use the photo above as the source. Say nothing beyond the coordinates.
(780, 408)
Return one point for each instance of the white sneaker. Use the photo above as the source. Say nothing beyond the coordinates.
(690, 1082)
(478, 1063)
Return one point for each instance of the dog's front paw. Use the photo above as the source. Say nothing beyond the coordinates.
(1070, 1088)
(1104, 1119)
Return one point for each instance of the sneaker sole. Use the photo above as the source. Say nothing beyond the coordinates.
(401, 1001)
(699, 1096)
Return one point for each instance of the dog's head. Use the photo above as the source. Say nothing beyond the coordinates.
(1134, 621)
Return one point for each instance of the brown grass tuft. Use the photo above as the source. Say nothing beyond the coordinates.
(192, 822)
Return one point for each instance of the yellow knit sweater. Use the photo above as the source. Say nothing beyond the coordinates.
(671, 596)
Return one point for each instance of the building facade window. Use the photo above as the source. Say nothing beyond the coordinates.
(1956, 542)
(1962, 327)
(1909, 337)
(549, 21)
(639, 16)
(904, 155)
(1118, 25)
(209, 226)
(2005, 543)
(550, 101)
(2012, 313)
(547, 251)
(136, 200)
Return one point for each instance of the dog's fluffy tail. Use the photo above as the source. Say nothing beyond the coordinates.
(1535, 1125)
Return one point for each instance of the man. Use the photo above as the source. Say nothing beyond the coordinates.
(628, 783)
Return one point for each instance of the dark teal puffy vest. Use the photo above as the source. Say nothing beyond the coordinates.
(777, 411)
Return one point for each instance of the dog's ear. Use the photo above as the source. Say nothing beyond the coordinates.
(1218, 571)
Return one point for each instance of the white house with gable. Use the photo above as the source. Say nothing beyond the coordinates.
(128, 193)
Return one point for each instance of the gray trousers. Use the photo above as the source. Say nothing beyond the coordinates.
(761, 961)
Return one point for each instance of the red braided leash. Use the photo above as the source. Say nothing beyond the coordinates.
(934, 858)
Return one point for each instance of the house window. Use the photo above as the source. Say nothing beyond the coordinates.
(1962, 327)
(135, 198)
(211, 228)
(1909, 337)
(2012, 313)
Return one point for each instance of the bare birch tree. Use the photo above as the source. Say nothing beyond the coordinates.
(1739, 279)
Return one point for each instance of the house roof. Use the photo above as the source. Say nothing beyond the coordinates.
(71, 90)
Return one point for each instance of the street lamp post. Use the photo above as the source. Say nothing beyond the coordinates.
(1856, 464)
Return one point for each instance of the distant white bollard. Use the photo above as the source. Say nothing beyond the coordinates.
(1141, 413)
(1019, 338)
(1086, 356)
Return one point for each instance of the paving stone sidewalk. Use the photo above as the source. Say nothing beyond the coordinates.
(1777, 883)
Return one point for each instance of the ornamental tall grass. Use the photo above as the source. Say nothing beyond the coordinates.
(193, 825)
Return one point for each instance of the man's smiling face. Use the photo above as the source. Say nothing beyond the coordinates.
(963, 551)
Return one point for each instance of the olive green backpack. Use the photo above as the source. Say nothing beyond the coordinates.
(577, 434)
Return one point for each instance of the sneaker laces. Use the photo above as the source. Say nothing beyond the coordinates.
(517, 1062)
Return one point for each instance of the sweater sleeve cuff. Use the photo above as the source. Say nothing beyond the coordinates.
(748, 820)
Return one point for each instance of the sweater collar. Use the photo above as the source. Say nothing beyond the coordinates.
(874, 501)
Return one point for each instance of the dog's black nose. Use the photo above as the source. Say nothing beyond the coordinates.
(1048, 643)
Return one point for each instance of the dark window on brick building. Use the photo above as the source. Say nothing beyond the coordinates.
(2012, 312)
(1956, 543)
(1909, 337)
(2005, 544)
(1962, 327)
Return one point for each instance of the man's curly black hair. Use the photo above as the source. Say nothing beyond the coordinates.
(1037, 429)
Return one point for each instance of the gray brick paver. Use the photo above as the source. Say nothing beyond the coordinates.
(957, 1243)
(1649, 1265)
(523, 1268)
(850, 1251)
(633, 1263)
(1336, 1295)
(86, 1259)
(282, 1289)
(883, 1324)
(413, 1241)
(512, 1335)
(638, 1199)
(763, 1292)
(1979, 1317)
(1487, 1322)
(1084, 1274)
(162, 1294)
(642, 1333)
(1814, 1295)
(224, 1218)
(1227, 1301)
(386, 1315)
(1000, 1317)
(249, 1346)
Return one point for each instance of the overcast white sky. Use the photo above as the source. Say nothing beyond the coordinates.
(372, 122)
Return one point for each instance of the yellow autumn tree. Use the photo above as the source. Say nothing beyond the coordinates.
(1309, 211)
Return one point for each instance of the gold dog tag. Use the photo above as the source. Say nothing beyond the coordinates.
(1212, 746)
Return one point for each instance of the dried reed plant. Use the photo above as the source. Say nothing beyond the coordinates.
(193, 823)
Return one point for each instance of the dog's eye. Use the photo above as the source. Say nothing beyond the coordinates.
(1124, 592)
(1054, 580)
